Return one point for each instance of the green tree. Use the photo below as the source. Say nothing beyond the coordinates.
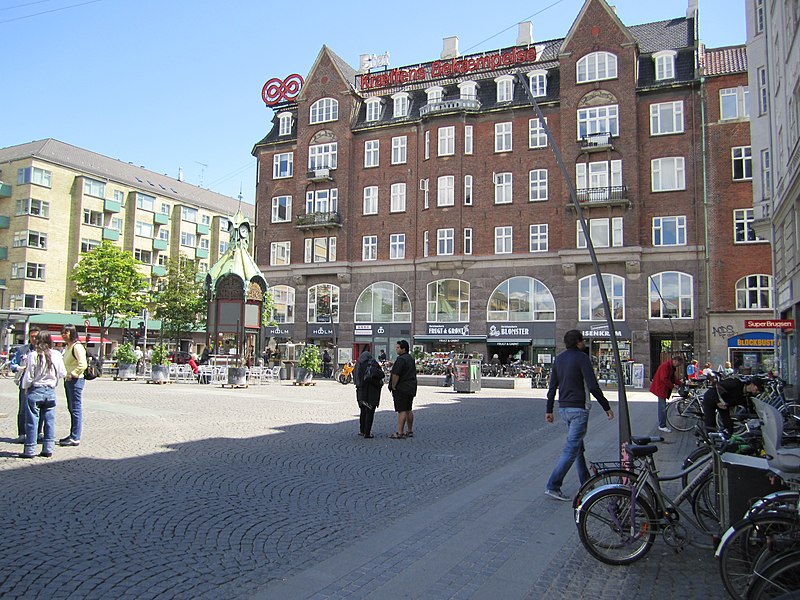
(267, 318)
(110, 285)
(180, 301)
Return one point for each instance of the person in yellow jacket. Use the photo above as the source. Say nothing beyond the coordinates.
(75, 363)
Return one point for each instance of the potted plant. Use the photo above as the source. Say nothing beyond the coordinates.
(237, 372)
(126, 362)
(310, 362)
(159, 363)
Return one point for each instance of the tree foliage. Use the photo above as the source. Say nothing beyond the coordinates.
(110, 285)
(180, 301)
(268, 306)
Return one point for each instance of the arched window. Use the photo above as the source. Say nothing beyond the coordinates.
(448, 301)
(538, 83)
(400, 101)
(373, 109)
(284, 123)
(283, 303)
(671, 296)
(596, 67)
(469, 90)
(505, 88)
(590, 303)
(383, 302)
(323, 303)
(665, 64)
(521, 299)
(435, 94)
(323, 110)
(754, 291)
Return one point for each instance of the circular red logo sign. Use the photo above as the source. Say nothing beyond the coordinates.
(275, 90)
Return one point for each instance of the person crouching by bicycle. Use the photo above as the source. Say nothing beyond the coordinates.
(665, 378)
(723, 395)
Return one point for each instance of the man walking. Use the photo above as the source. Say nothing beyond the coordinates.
(403, 385)
(572, 375)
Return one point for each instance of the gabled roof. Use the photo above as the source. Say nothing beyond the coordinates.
(723, 61)
(581, 14)
(346, 72)
(110, 169)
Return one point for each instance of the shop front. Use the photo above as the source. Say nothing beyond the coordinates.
(752, 352)
(598, 343)
(450, 337)
(276, 340)
(530, 342)
(377, 337)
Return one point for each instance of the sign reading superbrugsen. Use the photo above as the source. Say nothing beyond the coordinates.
(447, 68)
(769, 324)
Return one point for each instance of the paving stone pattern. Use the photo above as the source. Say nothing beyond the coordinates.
(190, 491)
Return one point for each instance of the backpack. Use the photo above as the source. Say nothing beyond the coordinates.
(92, 368)
(373, 373)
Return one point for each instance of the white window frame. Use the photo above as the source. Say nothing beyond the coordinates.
(469, 143)
(758, 285)
(468, 190)
(589, 292)
(397, 198)
(743, 157)
(538, 83)
(399, 150)
(445, 190)
(733, 103)
(503, 188)
(537, 137)
(445, 242)
(447, 141)
(766, 173)
(763, 90)
(596, 66)
(606, 233)
(674, 225)
(505, 88)
(372, 153)
(424, 185)
(373, 109)
(281, 209)
(319, 250)
(285, 122)
(659, 291)
(427, 145)
(400, 104)
(598, 119)
(189, 214)
(323, 156)
(758, 21)
(674, 166)
(425, 243)
(188, 239)
(592, 179)
(503, 140)
(283, 165)
(435, 94)
(322, 201)
(280, 253)
(504, 240)
(467, 241)
(538, 235)
(370, 204)
(743, 232)
(94, 187)
(666, 118)
(537, 188)
(664, 61)
(397, 246)
(468, 90)
(369, 247)
(323, 110)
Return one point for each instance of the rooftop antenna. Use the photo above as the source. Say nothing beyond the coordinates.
(203, 170)
(240, 197)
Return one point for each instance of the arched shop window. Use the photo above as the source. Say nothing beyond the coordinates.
(590, 303)
(448, 301)
(283, 303)
(323, 303)
(383, 302)
(671, 296)
(521, 299)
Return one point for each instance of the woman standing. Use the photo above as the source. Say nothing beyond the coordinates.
(75, 363)
(43, 369)
(368, 378)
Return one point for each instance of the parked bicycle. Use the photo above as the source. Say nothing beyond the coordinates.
(345, 374)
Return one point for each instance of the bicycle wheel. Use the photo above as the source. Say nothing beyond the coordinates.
(778, 577)
(742, 543)
(682, 415)
(616, 476)
(5, 370)
(614, 531)
(705, 505)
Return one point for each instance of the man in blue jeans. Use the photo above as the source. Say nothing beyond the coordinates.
(572, 374)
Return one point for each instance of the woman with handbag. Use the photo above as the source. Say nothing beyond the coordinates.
(43, 369)
(75, 362)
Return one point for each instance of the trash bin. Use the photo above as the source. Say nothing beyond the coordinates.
(467, 375)
(743, 479)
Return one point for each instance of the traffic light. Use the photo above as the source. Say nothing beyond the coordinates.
(141, 329)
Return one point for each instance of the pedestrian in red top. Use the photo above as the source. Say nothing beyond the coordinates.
(664, 380)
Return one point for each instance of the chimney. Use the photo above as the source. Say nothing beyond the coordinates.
(691, 10)
(525, 35)
(180, 173)
(450, 47)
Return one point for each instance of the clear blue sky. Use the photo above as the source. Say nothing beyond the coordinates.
(177, 83)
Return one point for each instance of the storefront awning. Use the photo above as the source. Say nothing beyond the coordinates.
(452, 338)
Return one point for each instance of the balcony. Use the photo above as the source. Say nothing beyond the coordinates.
(5, 222)
(320, 220)
(3, 252)
(159, 244)
(5, 190)
(161, 219)
(321, 174)
(596, 142)
(615, 195)
(110, 234)
(203, 229)
(454, 105)
(112, 206)
(201, 253)
(159, 271)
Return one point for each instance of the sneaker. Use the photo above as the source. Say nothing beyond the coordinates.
(665, 429)
(69, 442)
(557, 495)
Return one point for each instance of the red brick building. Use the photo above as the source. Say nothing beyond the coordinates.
(425, 202)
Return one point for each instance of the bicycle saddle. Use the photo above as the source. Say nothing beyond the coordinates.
(643, 440)
(639, 451)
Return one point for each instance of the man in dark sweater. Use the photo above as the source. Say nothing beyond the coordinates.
(572, 375)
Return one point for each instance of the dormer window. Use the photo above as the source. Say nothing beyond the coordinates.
(469, 90)
(538, 83)
(435, 94)
(400, 101)
(373, 109)
(665, 64)
(596, 66)
(505, 88)
(285, 123)
(324, 110)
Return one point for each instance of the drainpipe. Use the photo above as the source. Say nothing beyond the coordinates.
(706, 259)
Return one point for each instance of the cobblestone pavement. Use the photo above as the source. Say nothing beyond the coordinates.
(189, 491)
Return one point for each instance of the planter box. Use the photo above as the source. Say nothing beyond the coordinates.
(237, 376)
(303, 375)
(160, 373)
(126, 371)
